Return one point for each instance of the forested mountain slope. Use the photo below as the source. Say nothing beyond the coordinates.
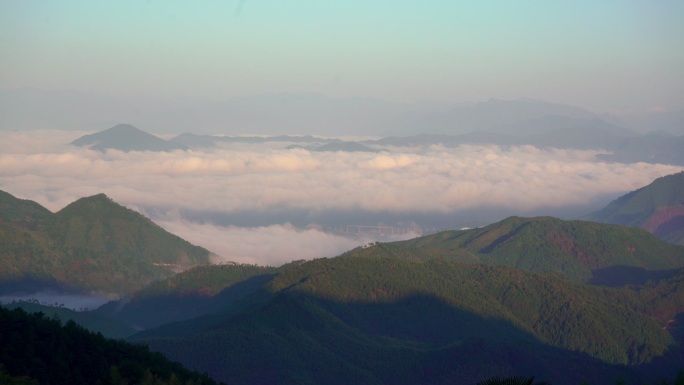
(658, 208)
(383, 319)
(93, 244)
(543, 244)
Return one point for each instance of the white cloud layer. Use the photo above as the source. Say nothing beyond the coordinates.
(38, 166)
(270, 245)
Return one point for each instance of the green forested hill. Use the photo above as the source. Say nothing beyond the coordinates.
(379, 319)
(658, 208)
(453, 307)
(93, 244)
(39, 349)
(542, 244)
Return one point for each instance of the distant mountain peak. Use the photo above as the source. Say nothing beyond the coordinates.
(124, 127)
(100, 198)
(126, 137)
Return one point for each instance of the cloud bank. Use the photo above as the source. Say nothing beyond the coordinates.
(263, 179)
(266, 245)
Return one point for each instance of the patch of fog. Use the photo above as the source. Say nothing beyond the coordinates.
(78, 302)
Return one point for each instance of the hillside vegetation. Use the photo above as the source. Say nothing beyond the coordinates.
(658, 208)
(93, 244)
(511, 298)
(575, 249)
(455, 307)
(383, 319)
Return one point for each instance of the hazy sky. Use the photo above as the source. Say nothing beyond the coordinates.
(603, 55)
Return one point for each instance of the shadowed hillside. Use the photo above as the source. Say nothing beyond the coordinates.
(355, 319)
(193, 293)
(35, 347)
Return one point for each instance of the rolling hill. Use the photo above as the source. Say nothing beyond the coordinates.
(93, 244)
(373, 319)
(657, 208)
(576, 249)
(125, 137)
(454, 307)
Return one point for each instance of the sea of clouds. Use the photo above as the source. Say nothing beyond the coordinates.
(207, 196)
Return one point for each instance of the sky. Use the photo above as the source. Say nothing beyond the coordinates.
(603, 55)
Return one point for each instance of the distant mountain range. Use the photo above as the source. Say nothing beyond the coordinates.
(578, 133)
(125, 137)
(91, 245)
(549, 131)
(300, 113)
(656, 147)
(658, 208)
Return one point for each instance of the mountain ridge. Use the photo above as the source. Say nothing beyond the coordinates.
(112, 248)
(657, 207)
(386, 319)
(573, 248)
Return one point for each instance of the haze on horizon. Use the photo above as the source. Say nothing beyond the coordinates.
(610, 56)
